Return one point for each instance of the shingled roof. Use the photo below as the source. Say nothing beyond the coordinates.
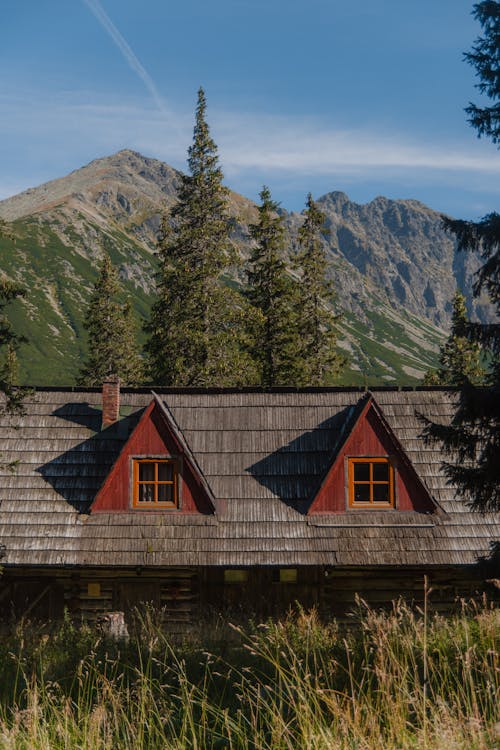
(262, 454)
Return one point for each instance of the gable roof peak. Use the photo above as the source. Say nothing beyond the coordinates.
(351, 441)
(183, 444)
(155, 433)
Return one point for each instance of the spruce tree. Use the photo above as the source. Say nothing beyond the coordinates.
(112, 346)
(196, 328)
(473, 438)
(9, 344)
(459, 358)
(319, 359)
(9, 340)
(272, 291)
(485, 59)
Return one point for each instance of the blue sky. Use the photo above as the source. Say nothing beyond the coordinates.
(365, 97)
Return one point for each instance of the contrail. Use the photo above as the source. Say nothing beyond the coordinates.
(127, 52)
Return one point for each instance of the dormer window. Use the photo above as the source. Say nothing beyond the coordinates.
(155, 483)
(371, 483)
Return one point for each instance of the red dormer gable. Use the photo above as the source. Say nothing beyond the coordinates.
(156, 439)
(368, 436)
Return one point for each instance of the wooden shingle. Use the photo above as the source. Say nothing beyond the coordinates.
(262, 454)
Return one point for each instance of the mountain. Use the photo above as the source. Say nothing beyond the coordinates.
(394, 268)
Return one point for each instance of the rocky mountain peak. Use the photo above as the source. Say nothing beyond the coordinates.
(391, 260)
(121, 173)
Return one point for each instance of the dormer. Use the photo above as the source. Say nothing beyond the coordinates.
(369, 470)
(156, 471)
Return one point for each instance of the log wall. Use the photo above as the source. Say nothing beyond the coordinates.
(447, 588)
(179, 597)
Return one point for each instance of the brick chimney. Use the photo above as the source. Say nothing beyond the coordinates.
(110, 401)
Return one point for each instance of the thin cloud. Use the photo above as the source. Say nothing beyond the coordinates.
(96, 8)
(80, 126)
(263, 142)
(275, 143)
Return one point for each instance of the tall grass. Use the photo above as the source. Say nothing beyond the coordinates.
(396, 680)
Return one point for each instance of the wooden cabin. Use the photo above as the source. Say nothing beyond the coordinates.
(246, 501)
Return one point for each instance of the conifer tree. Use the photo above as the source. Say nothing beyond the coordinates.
(112, 346)
(273, 293)
(459, 358)
(9, 344)
(473, 438)
(319, 358)
(196, 328)
(485, 58)
(9, 340)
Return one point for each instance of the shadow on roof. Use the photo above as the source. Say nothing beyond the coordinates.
(294, 472)
(80, 413)
(78, 473)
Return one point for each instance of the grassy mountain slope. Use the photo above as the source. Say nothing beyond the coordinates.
(394, 268)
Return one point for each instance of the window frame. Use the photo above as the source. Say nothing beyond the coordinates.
(235, 576)
(371, 504)
(285, 576)
(137, 504)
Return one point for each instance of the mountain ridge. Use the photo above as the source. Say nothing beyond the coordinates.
(394, 267)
